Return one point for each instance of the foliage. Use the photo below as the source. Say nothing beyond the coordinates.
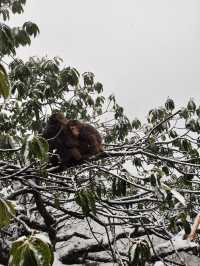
(159, 159)
(42, 85)
(86, 200)
(146, 183)
(147, 167)
(11, 38)
(139, 253)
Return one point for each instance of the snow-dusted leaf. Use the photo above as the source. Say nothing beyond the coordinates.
(178, 196)
(31, 251)
(4, 83)
(38, 147)
(175, 193)
(7, 211)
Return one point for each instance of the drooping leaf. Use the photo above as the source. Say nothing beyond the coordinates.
(139, 253)
(7, 211)
(173, 134)
(17, 7)
(136, 123)
(5, 13)
(184, 113)
(98, 87)
(169, 104)
(175, 193)
(198, 111)
(21, 37)
(70, 76)
(191, 124)
(191, 106)
(38, 148)
(86, 199)
(31, 251)
(4, 83)
(7, 44)
(88, 78)
(31, 28)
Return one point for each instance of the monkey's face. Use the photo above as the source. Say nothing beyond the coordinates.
(75, 131)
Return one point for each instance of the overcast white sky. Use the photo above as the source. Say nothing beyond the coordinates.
(141, 50)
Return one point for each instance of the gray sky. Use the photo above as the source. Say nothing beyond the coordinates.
(141, 50)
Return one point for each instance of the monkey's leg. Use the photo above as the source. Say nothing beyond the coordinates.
(70, 157)
(94, 147)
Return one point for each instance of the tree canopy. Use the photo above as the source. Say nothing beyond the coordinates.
(134, 204)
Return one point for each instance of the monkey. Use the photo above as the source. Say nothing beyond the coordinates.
(61, 140)
(90, 141)
(73, 140)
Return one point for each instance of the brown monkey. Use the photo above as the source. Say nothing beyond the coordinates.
(72, 140)
(61, 140)
(90, 141)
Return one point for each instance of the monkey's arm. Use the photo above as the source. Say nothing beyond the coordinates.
(90, 146)
(96, 147)
(70, 157)
(76, 154)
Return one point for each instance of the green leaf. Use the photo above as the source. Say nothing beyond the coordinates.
(191, 124)
(136, 123)
(175, 193)
(194, 153)
(91, 201)
(86, 199)
(20, 87)
(17, 7)
(184, 113)
(31, 251)
(57, 200)
(173, 134)
(178, 196)
(191, 106)
(139, 253)
(82, 201)
(186, 145)
(31, 28)
(88, 78)
(137, 162)
(98, 87)
(4, 83)
(165, 169)
(38, 147)
(90, 101)
(5, 13)
(70, 76)
(50, 66)
(169, 104)
(153, 180)
(7, 211)
(198, 111)
(6, 40)
(21, 37)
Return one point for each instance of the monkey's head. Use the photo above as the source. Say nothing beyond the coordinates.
(54, 123)
(56, 118)
(75, 127)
